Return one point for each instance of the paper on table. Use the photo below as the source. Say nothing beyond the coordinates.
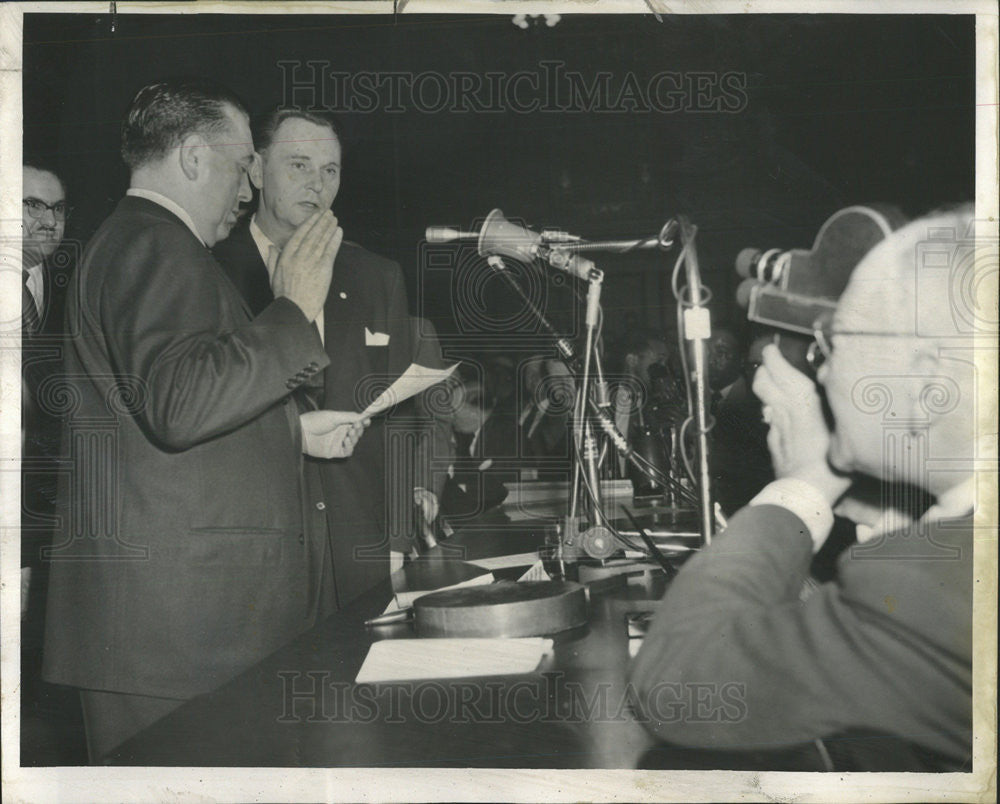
(411, 382)
(503, 562)
(535, 573)
(410, 659)
(403, 600)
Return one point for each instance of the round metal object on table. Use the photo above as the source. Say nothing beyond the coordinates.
(503, 609)
(598, 542)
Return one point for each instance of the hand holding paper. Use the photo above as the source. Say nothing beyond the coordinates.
(331, 433)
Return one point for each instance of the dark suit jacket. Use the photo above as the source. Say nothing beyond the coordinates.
(362, 502)
(182, 561)
(42, 358)
(885, 650)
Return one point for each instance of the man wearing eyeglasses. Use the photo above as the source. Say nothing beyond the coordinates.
(45, 277)
(883, 653)
(44, 211)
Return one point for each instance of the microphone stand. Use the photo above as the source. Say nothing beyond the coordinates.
(697, 329)
(585, 443)
(556, 250)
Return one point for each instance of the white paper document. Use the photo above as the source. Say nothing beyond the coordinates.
(410, 659)
(405, 599)
(411, 382)
(503, 562)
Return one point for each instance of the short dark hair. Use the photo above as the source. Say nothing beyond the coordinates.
(163, 113)
(45, 163)
(267, 124)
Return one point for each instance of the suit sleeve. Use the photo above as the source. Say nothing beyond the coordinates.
(773, 670)
(162, 306)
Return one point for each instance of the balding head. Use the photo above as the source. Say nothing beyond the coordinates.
(906, 283)
(900, 381)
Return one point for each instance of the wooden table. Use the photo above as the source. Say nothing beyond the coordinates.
(300, 707)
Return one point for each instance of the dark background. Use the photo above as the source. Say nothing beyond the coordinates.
(841, 110)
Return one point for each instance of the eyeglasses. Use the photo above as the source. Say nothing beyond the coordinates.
(821, 349)
(36, 208)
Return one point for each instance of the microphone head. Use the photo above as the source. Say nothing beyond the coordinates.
(441, 234)
(745, 261)
(571, 263)
(501, 237)
(744, 290)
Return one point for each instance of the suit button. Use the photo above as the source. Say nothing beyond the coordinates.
(321, 506)
(302, 538)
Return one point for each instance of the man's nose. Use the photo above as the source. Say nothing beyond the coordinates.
(315, 181)
(245, 193)
(47, 219)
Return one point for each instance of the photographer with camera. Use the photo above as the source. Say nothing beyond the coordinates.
(885, 649)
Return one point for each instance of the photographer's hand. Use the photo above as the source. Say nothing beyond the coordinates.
(799, 437)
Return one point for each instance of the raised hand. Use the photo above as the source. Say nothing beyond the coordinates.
(303, 271)
(799, 438)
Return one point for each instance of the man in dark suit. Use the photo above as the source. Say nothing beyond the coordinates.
(47, 711)
(367, 332)
(44, 282)
(182, 560)
(885, 649)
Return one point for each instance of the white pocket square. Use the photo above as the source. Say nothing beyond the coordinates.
(376, 338)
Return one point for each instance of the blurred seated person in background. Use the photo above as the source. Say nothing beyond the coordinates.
(481, 424)
(546, 405)
(739, 460)
(885, 649)
(633, 388)
(648, 404)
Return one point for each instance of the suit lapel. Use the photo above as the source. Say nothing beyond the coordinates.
(242, 263)
(344, 319)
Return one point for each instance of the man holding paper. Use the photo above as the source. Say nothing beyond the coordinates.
(367, 333)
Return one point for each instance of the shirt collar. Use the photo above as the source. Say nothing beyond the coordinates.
(36, 283)
(170, 205)
(263, 242)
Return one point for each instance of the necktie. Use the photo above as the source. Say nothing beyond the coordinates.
(30, 320)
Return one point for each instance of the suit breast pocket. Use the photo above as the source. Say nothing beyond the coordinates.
(373, 337)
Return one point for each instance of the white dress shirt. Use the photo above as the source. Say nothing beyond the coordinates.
(36, 286)
(169, 205)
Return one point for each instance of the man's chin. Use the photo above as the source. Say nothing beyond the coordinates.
(837, 458)
(223, 231)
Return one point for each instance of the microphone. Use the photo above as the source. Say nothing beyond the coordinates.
(446, 234)
(571, 263)
(503, 238)
(765, 266)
